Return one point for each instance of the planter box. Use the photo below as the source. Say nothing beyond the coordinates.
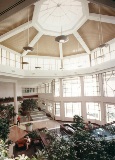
(29, 128)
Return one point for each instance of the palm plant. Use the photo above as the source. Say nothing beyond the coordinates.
(3, 150)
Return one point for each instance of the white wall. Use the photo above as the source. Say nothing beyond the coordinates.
(7, 90)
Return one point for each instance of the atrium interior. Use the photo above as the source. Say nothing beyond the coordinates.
(76, 77)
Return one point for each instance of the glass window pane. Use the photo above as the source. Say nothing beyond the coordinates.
(57, 109)
(71, 87)
(108, 84)
(72, 109)
(57, 88)
(93, 110)
(91, 85)
(110, 113)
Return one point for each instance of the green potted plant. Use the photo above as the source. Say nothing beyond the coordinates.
(4, 128)
(27, 106)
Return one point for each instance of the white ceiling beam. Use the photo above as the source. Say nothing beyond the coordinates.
(61, 54)
(33, 42)
(35, 25)
(15, 31)
(37, 10)
(102, 18)
(81, 41)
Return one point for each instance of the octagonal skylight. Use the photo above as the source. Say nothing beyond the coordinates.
(60, 15)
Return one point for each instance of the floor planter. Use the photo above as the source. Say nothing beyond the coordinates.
(29, 127)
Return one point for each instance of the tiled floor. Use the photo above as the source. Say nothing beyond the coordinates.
(18, 132)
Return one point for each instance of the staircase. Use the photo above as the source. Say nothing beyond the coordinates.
(37, 115)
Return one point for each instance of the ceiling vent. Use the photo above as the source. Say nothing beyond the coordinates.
(8, 9)
(11, 7)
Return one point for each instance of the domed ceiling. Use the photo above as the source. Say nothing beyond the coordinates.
(61, 15)
(79, 19)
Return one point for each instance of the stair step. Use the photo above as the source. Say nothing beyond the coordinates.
(37, 115)
(36, 112)
(40, 118)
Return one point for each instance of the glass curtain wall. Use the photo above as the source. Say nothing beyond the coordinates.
(93, 110)
(72, 87)
(76, 62)
(10, 59)
(56, 88)
(109, 84)
(57, 108)
(91, 85)
(110, 113)
(103, 55)
(42, 63)
(72, 109)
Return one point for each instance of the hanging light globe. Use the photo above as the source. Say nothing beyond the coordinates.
(62, 39)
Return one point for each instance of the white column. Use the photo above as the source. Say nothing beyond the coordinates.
(15, 102)
(45, 87)
(83, 103)
(53, 110)
(102, 106)
(62, 111)
(53, 87)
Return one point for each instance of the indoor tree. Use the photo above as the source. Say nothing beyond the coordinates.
(7, 111)
(61, 149)
(4, 128)
(78, 122)
(27, 106)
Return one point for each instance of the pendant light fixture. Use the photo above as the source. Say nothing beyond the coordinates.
(37, 67)
(101, 32)
(62, 38)
(28, 48)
